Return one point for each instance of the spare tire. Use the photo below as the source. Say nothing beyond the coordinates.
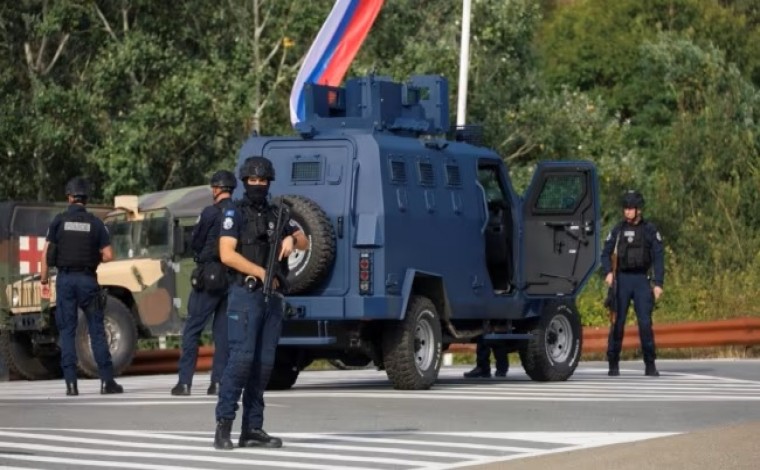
(310, 267)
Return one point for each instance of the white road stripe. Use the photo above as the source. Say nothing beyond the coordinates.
(175, 457)
(177, 447)
(91, 463)
(415, 442)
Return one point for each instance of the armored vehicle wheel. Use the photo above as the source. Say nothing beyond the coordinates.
(555, 349)
(285, 371)
(412, 347)
(16, 348)
(121, 335)
(308, 268)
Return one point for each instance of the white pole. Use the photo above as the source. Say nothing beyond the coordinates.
(464, 64)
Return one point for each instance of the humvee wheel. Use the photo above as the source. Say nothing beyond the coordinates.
(310, 267)
(121, 336)
(285, 371)
(555, 349)
(17, 349)
(412, 347)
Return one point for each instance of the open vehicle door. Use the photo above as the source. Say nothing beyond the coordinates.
(561, 228)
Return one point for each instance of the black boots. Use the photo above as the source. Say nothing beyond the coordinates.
(108, 387)
(478, 373)
(651, 370)
(213, 389)
(181, 389)
(222, 439)
(71, 389)
(614, 369)
(258, 438)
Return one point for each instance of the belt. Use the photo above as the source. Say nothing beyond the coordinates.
(86, 270)
(249, 282)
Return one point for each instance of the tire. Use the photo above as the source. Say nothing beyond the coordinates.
(412, 347)
(17, 350)
(121, 335)
(285, 371)
(309, 268)
(555, 349)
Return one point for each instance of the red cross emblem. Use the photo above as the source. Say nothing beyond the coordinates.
(30, 251)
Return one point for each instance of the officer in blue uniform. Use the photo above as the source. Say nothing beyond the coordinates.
(638, 247)
(209, 294)
(254, 325)
(483, 360)
(77, 241)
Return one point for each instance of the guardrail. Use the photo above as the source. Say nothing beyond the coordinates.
(734, 332)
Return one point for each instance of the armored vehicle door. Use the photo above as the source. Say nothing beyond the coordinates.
(560, 237)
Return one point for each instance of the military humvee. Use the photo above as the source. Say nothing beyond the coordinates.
(418, 239)
(147, 282)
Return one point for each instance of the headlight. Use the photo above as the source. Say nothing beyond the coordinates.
(15, 298)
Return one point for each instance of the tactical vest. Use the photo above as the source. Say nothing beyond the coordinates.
(634, 250)
(257, 237)
(77, 241)
(257, 234)
(210, 251)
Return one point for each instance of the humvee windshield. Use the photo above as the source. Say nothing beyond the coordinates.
(144, 238)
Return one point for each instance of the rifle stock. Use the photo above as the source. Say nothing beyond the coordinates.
(282, 216)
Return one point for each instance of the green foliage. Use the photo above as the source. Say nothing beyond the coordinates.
(661, 94)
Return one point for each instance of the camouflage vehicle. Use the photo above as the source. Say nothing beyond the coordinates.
(147, 282)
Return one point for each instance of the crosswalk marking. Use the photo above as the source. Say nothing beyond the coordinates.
(193, 449)
(586, 385)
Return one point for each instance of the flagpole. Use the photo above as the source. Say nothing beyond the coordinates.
(464, 64)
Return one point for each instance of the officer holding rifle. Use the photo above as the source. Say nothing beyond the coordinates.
(250, 233)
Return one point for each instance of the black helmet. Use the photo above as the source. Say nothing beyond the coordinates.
(223, 179)
(78, 187)
(258, 167)
(632, 199)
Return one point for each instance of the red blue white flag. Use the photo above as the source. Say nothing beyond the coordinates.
(334, 48)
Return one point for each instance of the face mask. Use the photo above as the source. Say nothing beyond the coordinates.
(256, 193)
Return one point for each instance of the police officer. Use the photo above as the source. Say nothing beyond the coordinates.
(254, 324)
(483, 360)
(638, 247)
(205, 299)
(77, 242)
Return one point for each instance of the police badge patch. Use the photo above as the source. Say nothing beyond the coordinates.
(228, 223)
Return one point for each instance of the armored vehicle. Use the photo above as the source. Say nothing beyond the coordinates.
(418, 239)
(148, 282)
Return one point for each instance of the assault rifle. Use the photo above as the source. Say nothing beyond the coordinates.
(272, 268)
(611, 300)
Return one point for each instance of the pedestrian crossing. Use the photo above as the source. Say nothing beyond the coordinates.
(588, 384)
(174, 450)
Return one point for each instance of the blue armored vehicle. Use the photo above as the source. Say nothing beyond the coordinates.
(418, 240)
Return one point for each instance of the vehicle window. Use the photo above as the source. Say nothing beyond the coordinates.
(33, 220)
(146, 238)
(488, 176)
(560, 193)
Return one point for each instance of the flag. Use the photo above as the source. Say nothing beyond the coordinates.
(334, 48)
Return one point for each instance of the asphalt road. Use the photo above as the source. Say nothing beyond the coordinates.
(698, 413)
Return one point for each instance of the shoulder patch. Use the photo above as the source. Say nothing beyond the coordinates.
(228, 223)
(609, 236)
(659, 237)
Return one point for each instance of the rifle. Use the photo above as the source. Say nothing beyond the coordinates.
(283, 214)
(611, 301)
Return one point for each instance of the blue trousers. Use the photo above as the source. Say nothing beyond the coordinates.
(254, 330)
(200, 307)
(75, 290)
(483, 356)
(633, 286)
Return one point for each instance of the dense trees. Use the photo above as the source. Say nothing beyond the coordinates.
(141, 95)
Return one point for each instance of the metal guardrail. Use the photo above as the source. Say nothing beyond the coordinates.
(734, 332)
